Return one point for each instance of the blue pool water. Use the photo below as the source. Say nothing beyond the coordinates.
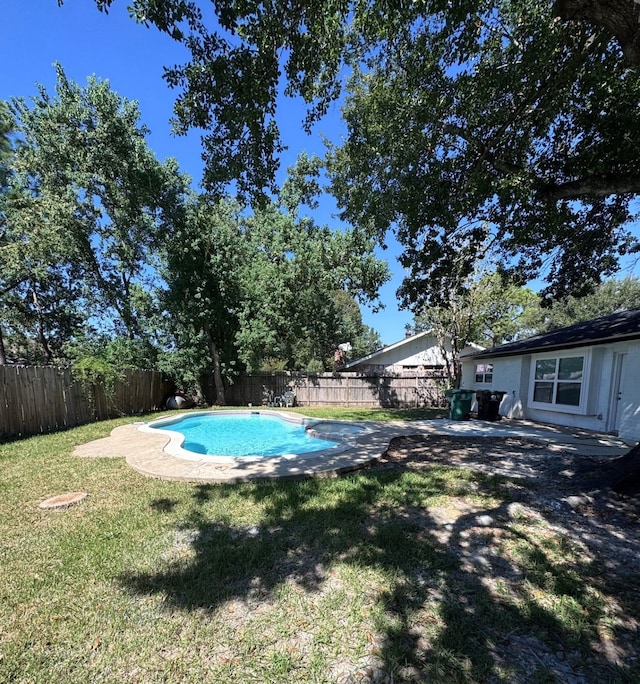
(243, 434)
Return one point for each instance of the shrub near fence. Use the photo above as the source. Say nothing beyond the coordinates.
(35, 399)
(344, 389)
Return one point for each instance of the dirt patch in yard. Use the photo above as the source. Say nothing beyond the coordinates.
(562, 495)
(569, 489)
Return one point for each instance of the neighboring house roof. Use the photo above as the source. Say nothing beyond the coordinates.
(619, 326)
(371, 358)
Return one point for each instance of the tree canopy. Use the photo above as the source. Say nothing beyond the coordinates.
(607, 298)
(85, 207)
(504, 125)
(484, 312)
(249, 289)
(105, 252)
(503, 131)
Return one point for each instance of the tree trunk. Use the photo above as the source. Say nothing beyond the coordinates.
(48, 354)
(625, 473)
(3, 356)
(220, 399)
(619, 17)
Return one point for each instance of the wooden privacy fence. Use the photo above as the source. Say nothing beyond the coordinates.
(344, 389)
(35, 399)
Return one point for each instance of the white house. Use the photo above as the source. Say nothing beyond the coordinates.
(415, 353)
(586, 375)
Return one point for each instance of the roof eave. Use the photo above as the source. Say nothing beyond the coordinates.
(487, 353)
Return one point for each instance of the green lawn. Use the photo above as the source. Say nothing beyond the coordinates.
(328, 580)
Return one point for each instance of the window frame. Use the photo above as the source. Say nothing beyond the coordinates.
(484, 373)
(581, 407)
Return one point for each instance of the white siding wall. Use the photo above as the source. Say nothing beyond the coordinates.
(593, 419)
(507, 377)
(566, 419)
(467, 381)
(415, 352)
(600, 395)
(512, 375)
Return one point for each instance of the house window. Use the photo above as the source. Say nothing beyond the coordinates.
(484, 373)
(558, 382)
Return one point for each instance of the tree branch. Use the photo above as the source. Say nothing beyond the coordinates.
(13, 284)
(485, 151)
(535, 101)
(598, 186)
(620, 18)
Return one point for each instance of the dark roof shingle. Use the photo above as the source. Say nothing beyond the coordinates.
(623, 325)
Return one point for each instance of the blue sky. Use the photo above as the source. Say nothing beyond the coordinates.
(86, 42)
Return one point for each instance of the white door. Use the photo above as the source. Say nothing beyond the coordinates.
(616, 393)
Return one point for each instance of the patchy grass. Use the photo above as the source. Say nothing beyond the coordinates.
(393, 575)
(372, 414)
(344, 413)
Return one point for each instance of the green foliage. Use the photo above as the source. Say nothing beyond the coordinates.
(40, 295)
(302, 185)
(204, 258)
(262, 290)
(273, 365)
(230, 87)
(6, 128)
(511, 123)
(99, 361)
(95, 370)
(94, 354)
(83, 210)
(97, 232)
(302, 284)
(315, 365)
(183, 366)
(610, 296)
(502, 122)
(122, 352)
(486, 311)
(88, 206)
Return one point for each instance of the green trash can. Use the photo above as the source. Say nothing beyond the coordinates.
(460, 403)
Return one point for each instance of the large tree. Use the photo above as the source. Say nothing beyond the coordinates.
(500, 130)
(39, 292)
(296, 285)
(87, 207)
(250, 289)
(513, 123)
(202, 264)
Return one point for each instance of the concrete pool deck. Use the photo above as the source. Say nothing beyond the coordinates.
(145, 452)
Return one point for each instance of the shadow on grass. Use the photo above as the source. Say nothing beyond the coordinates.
(443, 615)
(163, 505)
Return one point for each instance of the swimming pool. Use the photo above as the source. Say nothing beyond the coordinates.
(249, 435)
